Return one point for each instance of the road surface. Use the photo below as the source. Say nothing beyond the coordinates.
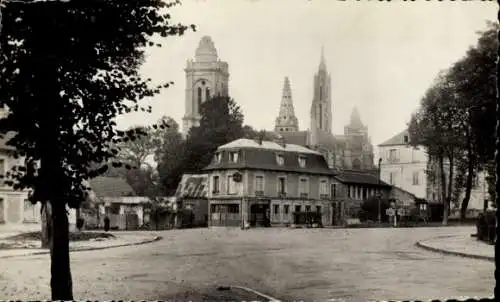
(289, 264)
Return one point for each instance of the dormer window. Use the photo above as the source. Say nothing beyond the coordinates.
(406, 139)
(302, 161)
(218, 157)
(280, 159)
(233, 157)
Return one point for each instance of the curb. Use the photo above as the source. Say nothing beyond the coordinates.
(84, 249)
(253, 291)
(422, 245)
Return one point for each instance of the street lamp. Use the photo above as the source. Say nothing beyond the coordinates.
(379, 194)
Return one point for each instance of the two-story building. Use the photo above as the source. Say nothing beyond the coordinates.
(405, 166)
(264, 183)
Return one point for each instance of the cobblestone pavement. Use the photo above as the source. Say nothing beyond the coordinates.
(290, 264)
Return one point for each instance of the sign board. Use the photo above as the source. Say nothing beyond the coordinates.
(390, 212)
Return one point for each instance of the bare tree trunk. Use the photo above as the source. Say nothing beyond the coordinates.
(46, 222)
(451, 175)
(468, 183)
(443, 189)
(60, 282)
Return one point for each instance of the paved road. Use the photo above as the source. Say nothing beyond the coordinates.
(307, 264)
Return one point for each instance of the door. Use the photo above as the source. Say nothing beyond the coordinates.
(2, 210)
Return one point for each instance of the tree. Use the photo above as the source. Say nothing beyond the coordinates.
(169, 157)
(221, 122)
(251, 133)
(70, 69)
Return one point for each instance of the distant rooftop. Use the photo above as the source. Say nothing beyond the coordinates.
(400, 139)
(268, 145)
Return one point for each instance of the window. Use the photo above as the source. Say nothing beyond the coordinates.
(233, 208)
(308, 208)
(303, 187)
(276, 209)
(199, 101)
(323, 187)
(415, 178)
(349, 191)
(231, 185)
(207, 94)
(334, 190)
(393, 156)
(259, 183)
(298, 208)
(233, 157)
(302, 161)
(280, 159)
(318, 209)
(218, 157)
(286, 209)
(406, 139)
(216, 184)
(392, 178)
(281, 185)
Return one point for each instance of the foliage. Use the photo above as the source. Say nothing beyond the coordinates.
(169, 157)
(70, 68)
(369, 209)
(251, 133)
(485, 227)
(221, 122)
(456, 118)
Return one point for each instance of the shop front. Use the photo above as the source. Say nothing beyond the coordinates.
(225, 213)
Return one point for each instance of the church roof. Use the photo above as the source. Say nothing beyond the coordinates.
(294, 137)
(360, 177)
(105, 186)
(397, 140)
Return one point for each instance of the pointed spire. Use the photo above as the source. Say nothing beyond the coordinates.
(322, 63)
(356, 118)
(286, 120)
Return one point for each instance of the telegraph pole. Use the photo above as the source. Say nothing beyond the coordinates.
(379, 195)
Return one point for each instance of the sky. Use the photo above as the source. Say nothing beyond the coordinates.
(381, 56)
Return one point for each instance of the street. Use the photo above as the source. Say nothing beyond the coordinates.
(289, 264)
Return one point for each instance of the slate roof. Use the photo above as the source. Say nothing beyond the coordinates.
(268, 145)
(104, 186)
(192, 186)
(397, 140)
(251, 155)
(360, 177)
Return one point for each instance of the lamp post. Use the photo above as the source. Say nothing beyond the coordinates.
(379, 194)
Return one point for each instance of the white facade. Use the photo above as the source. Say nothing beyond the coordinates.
(206, 76)
(404, 166)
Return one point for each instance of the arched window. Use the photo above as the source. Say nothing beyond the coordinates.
(199, 100)
(321, 92)
(207, 94)
(356, 164)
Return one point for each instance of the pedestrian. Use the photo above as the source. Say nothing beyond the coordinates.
(106, 223)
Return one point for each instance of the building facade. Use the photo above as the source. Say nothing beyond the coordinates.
(206, 76)
(405, 166)
(411, 169)
(264, 183)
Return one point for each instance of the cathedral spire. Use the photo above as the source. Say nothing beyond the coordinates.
(286, 120)
(322, 63)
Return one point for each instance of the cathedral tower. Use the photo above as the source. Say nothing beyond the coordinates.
(206, 76)
(359, 154)
(286, 120)
(321, 108)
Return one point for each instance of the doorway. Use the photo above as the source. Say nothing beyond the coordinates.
(260, 215)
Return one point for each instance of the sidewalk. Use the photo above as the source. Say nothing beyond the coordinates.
(463, 246)
(122, 239)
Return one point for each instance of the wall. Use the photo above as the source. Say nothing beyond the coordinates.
(408, 160)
